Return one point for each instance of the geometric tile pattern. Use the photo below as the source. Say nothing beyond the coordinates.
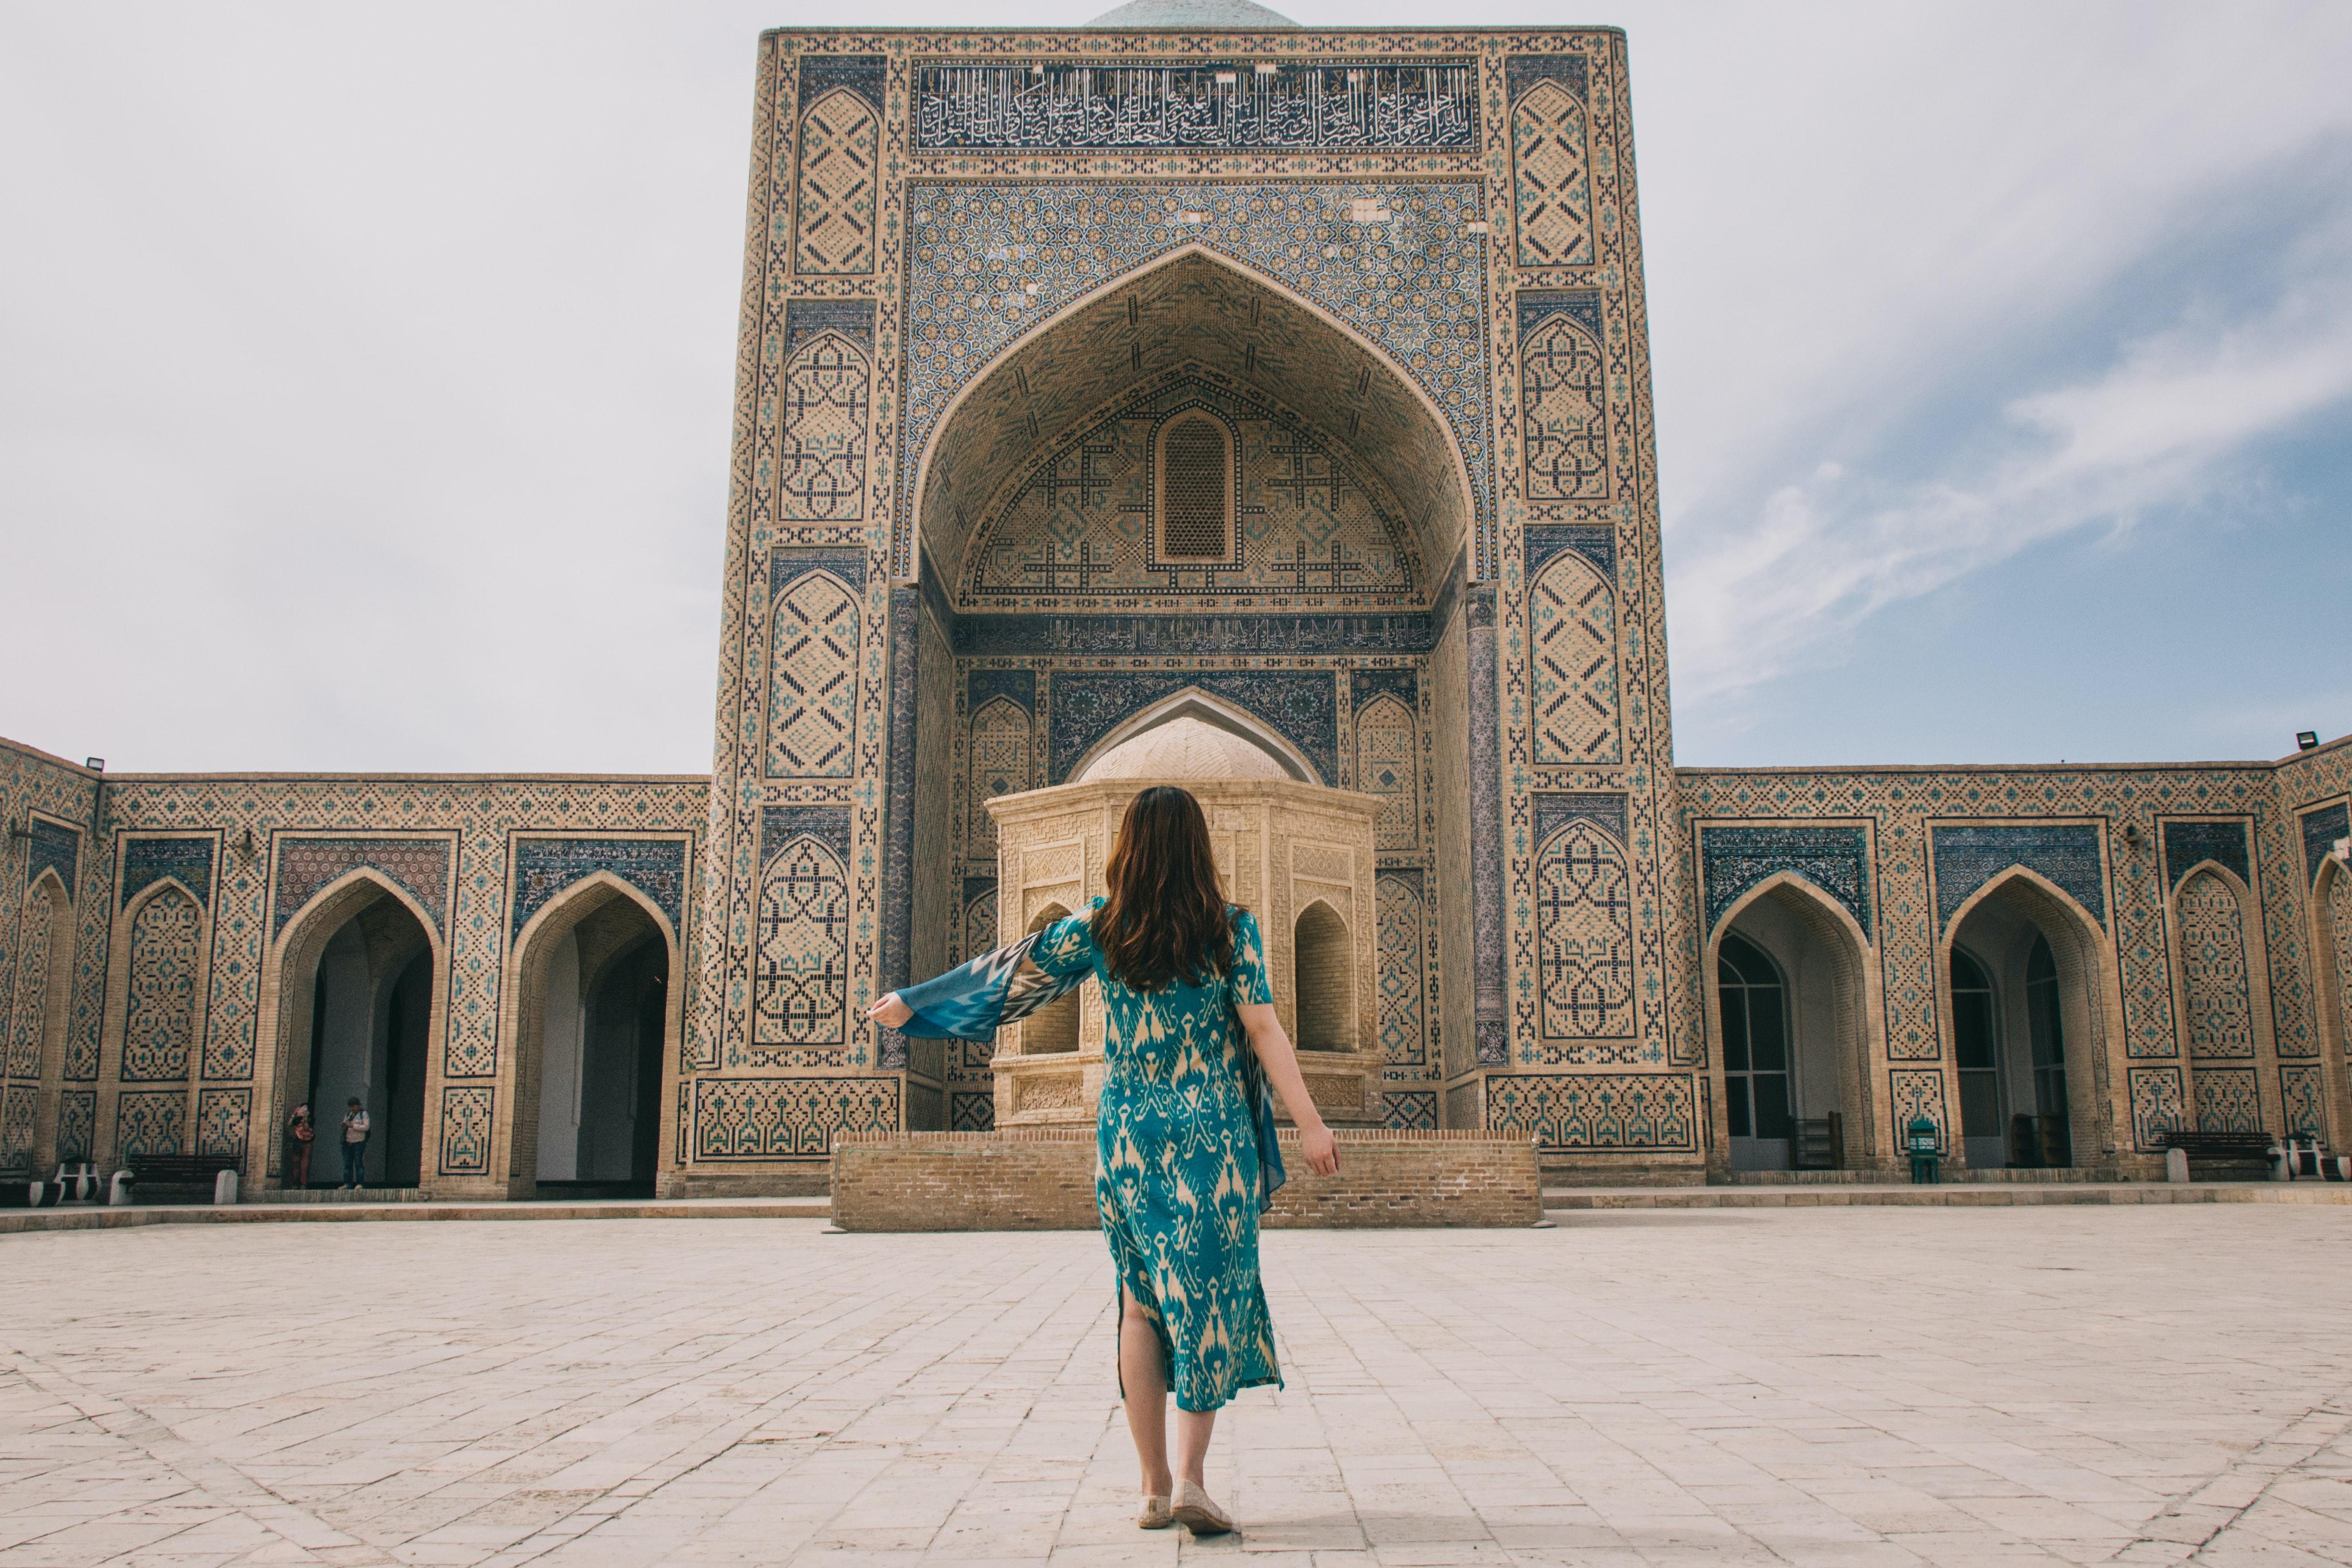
(841, 149)
(1912, 1092)
(2155, 1105)
(1403, 991)
(77, 1124)
(1734, 859)
(2339, 917)
(545, 867)
(188, 862)
(1302, 707)
(1563, 426)
(1411, 1110)
(2226, 1101)
(28, 1027)
(821, 466)
(971, 1114)
(222, 1117)
(2187, 843)
(812, 700)
(466, 1128)
(1000, 766)
(150, 1122)
(159, 1026)
(1382, 106)
(420, 866)
(782, 1118)
(801, 984)
(52, 847)
(1584, 934)
(2302, 1093)
(2213, 970)
(1554, 186)
(17, 1103)
(1969, 857)
(1078, 527)
(2321, 829)
(1387, 766)
(1573, 632)
(1618, 1111)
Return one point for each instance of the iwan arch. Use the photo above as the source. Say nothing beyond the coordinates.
(1292, 385)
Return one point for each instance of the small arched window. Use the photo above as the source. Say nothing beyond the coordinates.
(1194, 520)
(1323, 976)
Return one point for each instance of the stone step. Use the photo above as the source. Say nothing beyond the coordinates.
(98, 1217)
(1562, 1202)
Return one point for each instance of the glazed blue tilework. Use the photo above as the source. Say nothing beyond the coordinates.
(1302, 705)
(851, 318)
(2225, 843)
(828, 825)
(306, 865)
(1835, 860)
(786, 565)
(1363, 685)
(865, 75)
(1553, 810)
(1581, 306)
(52, 845)
(1542, 544)
(1255, 105)
(1521, 72)
(2067, 853)
(188, 862)
(982, 687)
(1411, 633)
(2321, 829)
(1407, 284)
(545, 867)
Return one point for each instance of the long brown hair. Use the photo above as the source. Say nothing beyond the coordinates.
(1164, 917)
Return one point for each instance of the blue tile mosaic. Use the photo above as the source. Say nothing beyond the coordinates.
(545, 867)
(982, 687)
(52, 845)
(1521, 72)
(1836, 860)
(1365, 685)
(828, 825)
(2225, 843)
(1412, 633)
(851, 318)
(1581, 306)
(188, 862)
(2321, 829)
(1543, 544)
(1302, 705)
(1605, 808)
(306, 865)
(786, 565)
(1256, 105)
(865, 75)
(2066, 853)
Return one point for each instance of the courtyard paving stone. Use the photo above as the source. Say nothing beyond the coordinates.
(1845, 1386)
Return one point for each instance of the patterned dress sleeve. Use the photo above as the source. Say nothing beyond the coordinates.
(974, 1000)
(1245, 986)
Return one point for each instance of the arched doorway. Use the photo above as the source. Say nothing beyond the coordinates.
(2317, 1095)
(359, 983)
(1323, 979)
(1793, 1011)
(595, 1023)
(2027, 1029)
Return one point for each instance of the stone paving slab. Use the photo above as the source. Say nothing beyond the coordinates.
(1858, 1385)
(1944, 1195)
(101, 1216)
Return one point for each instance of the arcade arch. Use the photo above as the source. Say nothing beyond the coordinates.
(1788, 970)
(595, 1024)
(2027, 1029)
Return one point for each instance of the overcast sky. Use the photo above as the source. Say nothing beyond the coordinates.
(364, 374)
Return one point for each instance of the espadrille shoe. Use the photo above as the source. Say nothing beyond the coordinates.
(1155, 1515)
(1198, 1513)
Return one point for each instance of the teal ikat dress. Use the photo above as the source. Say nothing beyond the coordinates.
(1185, 1151)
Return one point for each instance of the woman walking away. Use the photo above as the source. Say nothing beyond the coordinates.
(1186, 1158)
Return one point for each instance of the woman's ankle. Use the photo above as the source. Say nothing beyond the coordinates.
(1164, 1486)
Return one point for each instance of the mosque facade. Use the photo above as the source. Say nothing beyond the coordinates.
(1191, 369)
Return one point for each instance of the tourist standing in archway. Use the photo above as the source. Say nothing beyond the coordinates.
(1186, 1125)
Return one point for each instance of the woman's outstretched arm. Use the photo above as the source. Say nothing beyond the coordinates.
(1281, 1064)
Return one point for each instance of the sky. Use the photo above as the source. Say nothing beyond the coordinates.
(365, 374)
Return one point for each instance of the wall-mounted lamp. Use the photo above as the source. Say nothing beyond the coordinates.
(2131, 835)
(95, 764)
(243, 845)
(19, 831)
(2306, 741)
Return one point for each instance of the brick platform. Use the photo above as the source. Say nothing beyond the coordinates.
(1043, 1179)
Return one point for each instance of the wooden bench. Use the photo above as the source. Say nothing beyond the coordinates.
(2242, 1155)
(177, 1178)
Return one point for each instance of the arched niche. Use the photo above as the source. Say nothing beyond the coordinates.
(1052, 1030)
(1996, 926)
(1323, 978)
(1831, 1014)
(2331, 962)
(593, 1008)
(36, 1022)
(1191, 306)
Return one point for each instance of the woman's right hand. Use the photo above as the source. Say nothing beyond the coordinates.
(1321, 1149)
(890, 1012)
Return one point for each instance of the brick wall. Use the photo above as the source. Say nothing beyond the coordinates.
(1043, 1179)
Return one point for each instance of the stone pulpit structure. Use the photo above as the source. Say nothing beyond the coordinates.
(1295, 854)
